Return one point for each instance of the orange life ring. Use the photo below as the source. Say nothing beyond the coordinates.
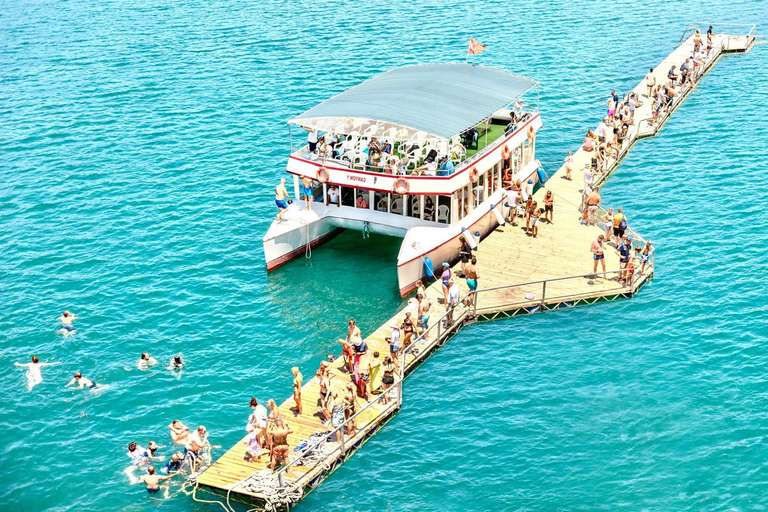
(401, 186)
(531, 133)
(322, 175)
(473, 175)
(505, 152)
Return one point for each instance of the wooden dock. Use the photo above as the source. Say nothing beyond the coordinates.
(519, 274)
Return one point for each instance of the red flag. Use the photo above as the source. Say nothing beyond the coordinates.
(475, 47)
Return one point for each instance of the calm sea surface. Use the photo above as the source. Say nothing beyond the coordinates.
(139, 143)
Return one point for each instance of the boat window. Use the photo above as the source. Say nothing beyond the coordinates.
(381, 201)
(444, 209)
(347, 196)
(396, 204)
(430, 208)
(414, 208)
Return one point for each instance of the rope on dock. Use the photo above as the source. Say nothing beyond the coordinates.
(266, 483)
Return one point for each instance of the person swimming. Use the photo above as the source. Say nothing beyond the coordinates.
(82, 382)
(152, 480)
(153, 447)
(177, 363)
(173, 465)
(138, 454)
(145, 361)
(34, 377)
(66, 320)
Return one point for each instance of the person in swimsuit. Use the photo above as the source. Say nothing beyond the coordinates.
(608, 223)
(280, 449)
(549, 202)
(348, 352)
(444, 278)
(34, 377)
(471, 275)
(388, 379)
(598, 255)
(337, 414)
(325, 394)
(535, 216)
(593, 201)
(350, 402)
(282, 199)
(298, 379)
(173, 465)
(306, 191)
(179, 433)
(252, 444)
(65, 320)
(81, 382)
(274, 413)
(645, 257)
(145, 361)
(568, 166)
(176, 363)
(465, 252)
(153, 447)
(152, 480)
(198, 441)
(424, 306)
(139, 456)
(407, 328)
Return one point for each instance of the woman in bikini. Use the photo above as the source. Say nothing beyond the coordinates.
(274, 413)
(298, 379)
(568, 166)
(645, 256)
(407, 328)
(389, 377)
(608, 220)
(350, 400)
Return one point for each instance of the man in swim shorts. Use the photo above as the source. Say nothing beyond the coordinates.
(306, 191)
(280, 449)
(470, 273)
(598, 255)
(593, 200)
(424, 306)
(152, 480)
(282, 199)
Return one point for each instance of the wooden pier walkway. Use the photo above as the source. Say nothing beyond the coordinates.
(518, 275)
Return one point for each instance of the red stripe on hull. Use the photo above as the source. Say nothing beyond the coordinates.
(285, 258)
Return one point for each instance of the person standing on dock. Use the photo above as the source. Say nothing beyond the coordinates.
(592, 203)
(601, 128)
(568, 166)
(598, 255)
(280, 449)
(465, 252)
(257, 421)
(549, 202)
(306, 191)
(625, 253)
(650, 82)
(471, 275)
(282, 199)
(619, 225)
(453, 301)
(298, 380)
(445, 277)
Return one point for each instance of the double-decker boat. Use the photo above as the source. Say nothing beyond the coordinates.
(420, 152)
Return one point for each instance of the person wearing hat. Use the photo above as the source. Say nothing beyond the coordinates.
(446, 166)
(445, 278)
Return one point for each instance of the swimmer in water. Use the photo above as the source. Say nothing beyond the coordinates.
(82, 382)
(153, 447)
(138, 454)
(173, 466)
(146, 361)
(34, 377)
(66, 320)
(179, 433)
(177, 363)
(152, 480)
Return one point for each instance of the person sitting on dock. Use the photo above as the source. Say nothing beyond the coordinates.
(280, 449)
(282, 199)
(152, 480)
(598, 255)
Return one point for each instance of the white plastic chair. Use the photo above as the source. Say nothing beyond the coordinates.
(397, 206)
(442, 213)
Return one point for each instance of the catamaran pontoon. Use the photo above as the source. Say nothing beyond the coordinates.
(419, 152)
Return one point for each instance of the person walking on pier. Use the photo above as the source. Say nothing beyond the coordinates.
(598, 255)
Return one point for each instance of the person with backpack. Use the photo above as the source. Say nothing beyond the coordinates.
(619, 225)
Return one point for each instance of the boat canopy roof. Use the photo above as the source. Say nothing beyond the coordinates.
(418, 102)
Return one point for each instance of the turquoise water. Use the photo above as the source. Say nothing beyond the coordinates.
(138, 146)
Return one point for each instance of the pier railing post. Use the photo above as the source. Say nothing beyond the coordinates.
(543, 293)
(475, 296)
(343, 449)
